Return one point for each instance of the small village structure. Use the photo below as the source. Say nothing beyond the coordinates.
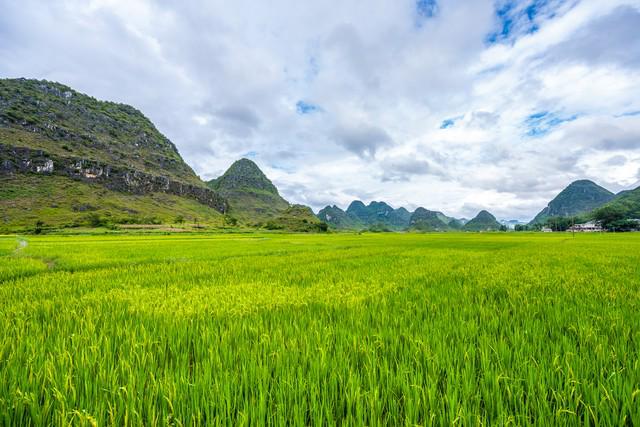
(587, 227)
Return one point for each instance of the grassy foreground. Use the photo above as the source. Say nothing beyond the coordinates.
(308, 330)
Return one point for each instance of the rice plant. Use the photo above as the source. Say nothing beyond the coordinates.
(276, 329)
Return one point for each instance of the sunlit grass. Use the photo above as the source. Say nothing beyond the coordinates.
(337, 329)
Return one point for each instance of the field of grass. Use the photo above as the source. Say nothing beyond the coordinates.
(373, 329)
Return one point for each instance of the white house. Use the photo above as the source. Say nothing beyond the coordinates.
(587, 227)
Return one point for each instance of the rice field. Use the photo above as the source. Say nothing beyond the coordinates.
(372, 329)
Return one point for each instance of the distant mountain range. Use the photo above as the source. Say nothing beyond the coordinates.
(69, 160)
(379, 216)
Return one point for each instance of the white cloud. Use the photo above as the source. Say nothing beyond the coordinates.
(223, 79)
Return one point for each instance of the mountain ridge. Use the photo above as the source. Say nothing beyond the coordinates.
(579, 197)
(82, 144)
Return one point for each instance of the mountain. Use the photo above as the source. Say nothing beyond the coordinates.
(358, 216)
(254, 200)
(339, 219)
(298, 218)
(484, 221)
(379, 215)
(399, 218)
(426, 220)
(627, 202)
(453, 223)
(371, 214)
(578, 198)
(251, 195)
(68, 159)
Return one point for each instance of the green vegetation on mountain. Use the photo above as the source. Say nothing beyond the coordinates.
(297, 218)
(254, 200)
(426, 220)
(379, 215)
(578, 198)
(399, 218)
(484, 221)
(620, 214)
(52, 117)
(338, 219)
(627, 202)
(58, 202)
(251, 195)
(373, 213)
(68, 160)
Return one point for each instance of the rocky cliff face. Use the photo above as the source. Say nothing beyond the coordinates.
(52, 117)
(14, 160)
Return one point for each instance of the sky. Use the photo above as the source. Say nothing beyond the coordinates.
(453, 105)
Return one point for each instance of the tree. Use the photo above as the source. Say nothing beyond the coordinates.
(611, 218)
(560, 223)
(179, 219)
(229, 220)
(38, 227)
(95, 220)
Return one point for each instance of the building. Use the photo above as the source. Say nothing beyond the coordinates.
(587, 227)
(546, 230)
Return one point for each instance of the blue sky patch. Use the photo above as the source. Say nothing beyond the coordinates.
(541, 123)
(449, 123)
(307, 108)
(629, 114)
(425, 9)
(515, 20)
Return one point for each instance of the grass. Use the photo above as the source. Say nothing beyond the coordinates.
(373, 329)
(63, 202)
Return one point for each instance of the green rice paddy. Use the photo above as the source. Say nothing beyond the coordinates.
(373, 329)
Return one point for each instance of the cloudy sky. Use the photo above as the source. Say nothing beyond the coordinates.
(454, 105)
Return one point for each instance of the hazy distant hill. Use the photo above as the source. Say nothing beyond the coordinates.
(579, 197)
(358, 216)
